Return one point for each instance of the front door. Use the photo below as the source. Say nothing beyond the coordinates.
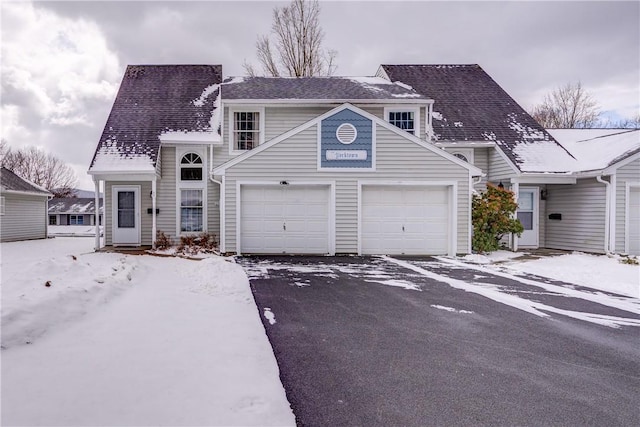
(126, 215)
(528, 216)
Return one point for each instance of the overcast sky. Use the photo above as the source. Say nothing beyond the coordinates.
(62, 61)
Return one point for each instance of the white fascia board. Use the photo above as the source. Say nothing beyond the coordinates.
(465, 144)
(544, 178)
(25, 193)
(298, 101)
(179, 138)
(474, 171)
(123, 175)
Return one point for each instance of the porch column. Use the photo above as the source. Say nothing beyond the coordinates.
(154, 230)
(515, 187)
(97, 210)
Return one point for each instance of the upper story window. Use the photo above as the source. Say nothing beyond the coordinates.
(246, 130)
(406, 118)
(191, 167)
(465, 154)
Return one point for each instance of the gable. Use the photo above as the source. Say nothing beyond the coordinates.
(346, 141)
(220, 170)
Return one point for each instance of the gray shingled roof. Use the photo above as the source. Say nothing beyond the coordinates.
(75, 205)
(317, 88)
(153, 99)
(470, 106)
(9, 181)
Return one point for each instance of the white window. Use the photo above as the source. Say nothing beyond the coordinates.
(191, 211)
(1, 205)
(191, 186)
(465, 154)
(246, 129)
(76, 219)
(406, 118)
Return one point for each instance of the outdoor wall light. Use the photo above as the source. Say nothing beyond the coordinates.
(284, 183)
(500, 185)
(543, 194)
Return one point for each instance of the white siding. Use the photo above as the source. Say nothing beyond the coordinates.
(25, 217)
(481, 160)
(583, 208)
(627, 174)
(397, 160)
(498, 168)
(166, 201)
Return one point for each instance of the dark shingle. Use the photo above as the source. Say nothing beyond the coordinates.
(470, 106)
(9, 181)
(157, 98)
(77, 205)
(317, 88)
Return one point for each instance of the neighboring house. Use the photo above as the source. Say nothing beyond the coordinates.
(23, 208)
(364, 165)
(74, 211)
(603, 208)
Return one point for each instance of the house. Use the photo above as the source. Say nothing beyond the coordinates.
(74, 211)
(324, 165)
(23, 208)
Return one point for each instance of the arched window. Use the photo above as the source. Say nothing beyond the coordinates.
(191, 167)
(461, 156)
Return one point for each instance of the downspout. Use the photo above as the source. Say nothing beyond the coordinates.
(515, 187)
(220, 195)
(607, 215)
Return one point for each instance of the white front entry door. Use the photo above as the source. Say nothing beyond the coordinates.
(405, 220)
(126, 215)
(634, 221)
(291, 219)
(528, 215)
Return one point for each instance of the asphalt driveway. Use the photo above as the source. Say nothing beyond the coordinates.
(374, 341)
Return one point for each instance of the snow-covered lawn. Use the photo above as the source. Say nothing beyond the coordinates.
(73, 230)
(602, 272)
(126, 340)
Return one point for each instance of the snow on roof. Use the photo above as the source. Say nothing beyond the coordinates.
(74, 205)
(607, 147)
(114, 157)
(9, 181)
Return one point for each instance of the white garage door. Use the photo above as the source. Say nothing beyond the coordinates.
(634, 221)
(284, 219)
(408, 220)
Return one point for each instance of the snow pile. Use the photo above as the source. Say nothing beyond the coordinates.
(491, 257)
(132, 340)
(593, 271)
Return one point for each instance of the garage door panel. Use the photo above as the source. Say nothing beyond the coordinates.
(284, 219)
(412, 220)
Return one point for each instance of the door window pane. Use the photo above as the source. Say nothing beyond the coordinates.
(525, 201)
(526, 219)
(126, 209)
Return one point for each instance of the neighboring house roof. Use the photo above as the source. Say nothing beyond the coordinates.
(152, 100)
(74, 205)
(9, 182)
(596, 149)
(317, 88)
(470, 106)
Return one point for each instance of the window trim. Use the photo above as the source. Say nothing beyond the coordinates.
(467, 152)
(231, 127)
(191, 185)
(77, 216)
(405, 109)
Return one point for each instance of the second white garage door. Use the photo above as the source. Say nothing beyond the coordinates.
(410, 220)
(285, 219)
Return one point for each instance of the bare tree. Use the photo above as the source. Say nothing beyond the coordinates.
(296, 50)
(569, 106)
(41, 168)
(628, 123)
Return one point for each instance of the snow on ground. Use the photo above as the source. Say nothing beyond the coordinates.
(131, 340)
(73, 230)
(602, 272)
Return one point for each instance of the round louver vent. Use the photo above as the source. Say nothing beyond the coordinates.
(346, 133)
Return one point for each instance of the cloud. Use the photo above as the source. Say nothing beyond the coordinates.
(53, 69)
